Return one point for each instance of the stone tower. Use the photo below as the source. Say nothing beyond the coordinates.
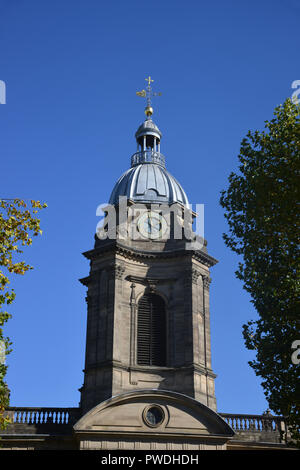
(148, 382)
(148, 320)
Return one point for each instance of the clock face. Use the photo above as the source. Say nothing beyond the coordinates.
(152, 225)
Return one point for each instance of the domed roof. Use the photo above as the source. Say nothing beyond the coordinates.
(148, 182)
(148, 127)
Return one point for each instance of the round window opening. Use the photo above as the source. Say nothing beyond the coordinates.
(154, 416)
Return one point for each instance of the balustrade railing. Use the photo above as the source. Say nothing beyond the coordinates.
(252, 423)
(28, 415)
(147, 156)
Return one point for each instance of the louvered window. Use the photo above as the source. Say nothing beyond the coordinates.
(151, 331)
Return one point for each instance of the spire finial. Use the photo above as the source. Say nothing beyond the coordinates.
(147, 94)
(149, 80)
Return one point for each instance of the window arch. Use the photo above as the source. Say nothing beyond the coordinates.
(151, 331)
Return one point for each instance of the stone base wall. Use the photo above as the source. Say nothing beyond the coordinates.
(125, 444)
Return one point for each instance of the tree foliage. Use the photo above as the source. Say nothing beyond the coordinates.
(262, 211)
(18, 224)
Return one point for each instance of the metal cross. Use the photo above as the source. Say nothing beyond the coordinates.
(149, 80)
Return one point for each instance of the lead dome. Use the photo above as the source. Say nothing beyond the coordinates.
(148, 181)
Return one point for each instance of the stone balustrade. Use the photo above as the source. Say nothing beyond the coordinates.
(264, 427)
(28, 415)
(34, 420)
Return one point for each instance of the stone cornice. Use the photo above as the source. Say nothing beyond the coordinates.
(133, 253)
(153, 369)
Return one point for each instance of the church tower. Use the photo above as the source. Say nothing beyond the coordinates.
(148, 319)
(148, 380)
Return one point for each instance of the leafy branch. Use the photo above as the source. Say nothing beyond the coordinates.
(18, 225)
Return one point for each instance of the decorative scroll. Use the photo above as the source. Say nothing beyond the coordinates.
(117, 271)
(206, 281)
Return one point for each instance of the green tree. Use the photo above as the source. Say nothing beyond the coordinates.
(18, 224)
(262, 212)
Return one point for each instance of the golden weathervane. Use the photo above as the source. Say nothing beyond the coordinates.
(147, 94)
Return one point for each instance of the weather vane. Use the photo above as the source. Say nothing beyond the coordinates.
(148, 93)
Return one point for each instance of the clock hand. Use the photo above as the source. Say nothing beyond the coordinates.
(149, 223)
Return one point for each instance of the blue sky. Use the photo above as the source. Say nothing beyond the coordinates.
(71, 70)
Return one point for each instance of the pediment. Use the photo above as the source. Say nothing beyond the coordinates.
(170, 413)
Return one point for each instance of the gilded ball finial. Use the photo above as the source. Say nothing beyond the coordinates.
(148, 111)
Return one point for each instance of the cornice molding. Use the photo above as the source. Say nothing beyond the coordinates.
(198, 368)
(133, 253)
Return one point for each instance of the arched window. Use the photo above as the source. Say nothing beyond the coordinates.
(151, 331)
